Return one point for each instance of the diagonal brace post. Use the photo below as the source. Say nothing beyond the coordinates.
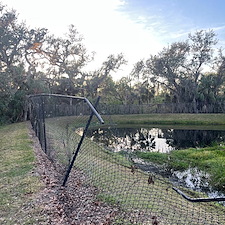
(80, 143)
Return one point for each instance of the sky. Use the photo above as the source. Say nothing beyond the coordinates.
(136, 28)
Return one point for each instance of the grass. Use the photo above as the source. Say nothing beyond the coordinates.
(110, 172)
(118, 184)
(209, 159)
(171, 119)
(18, 184)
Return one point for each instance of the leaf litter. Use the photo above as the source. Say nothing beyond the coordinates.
(74, 204)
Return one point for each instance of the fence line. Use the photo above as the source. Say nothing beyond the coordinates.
(164, 108)
(44, 106)
(144, 197)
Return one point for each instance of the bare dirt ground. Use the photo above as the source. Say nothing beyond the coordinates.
(74, 204)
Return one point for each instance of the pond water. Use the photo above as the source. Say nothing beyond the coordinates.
(164, 140)
(154, 139)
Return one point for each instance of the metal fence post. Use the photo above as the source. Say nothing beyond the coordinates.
(43, 125)
(79, 144)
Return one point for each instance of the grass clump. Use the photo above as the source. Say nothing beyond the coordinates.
(154, 157)
(107, 198)
(209, 159)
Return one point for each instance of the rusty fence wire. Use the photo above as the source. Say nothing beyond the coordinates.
(143, 197)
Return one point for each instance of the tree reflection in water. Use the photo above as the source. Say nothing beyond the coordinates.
(154, 139)
(162, 140)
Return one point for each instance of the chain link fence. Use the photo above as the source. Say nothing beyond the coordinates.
(143, 197)
(166, 108)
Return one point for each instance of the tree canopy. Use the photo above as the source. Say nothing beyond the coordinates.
(33, 61)
(179, 69)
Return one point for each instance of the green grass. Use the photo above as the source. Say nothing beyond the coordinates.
(112, 175)
(171, 119)
(18, 185)
(210, 160)
(155, 157)
(109, 172)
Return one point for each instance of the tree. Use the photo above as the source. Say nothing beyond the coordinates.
(97, 78)
(66, 58)
(178, 68)
(211, 85)
(107, 90)
(15, 42)
(144, 89)
(11, 67)
(124, 91)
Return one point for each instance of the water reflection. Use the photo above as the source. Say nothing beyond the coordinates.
(154, 139)
(162, 140)
(193, 178)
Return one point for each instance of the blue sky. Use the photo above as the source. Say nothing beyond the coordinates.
(174, 19)
(137, 28)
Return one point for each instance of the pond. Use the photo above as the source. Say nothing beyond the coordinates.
(163, 139)
(155, 139)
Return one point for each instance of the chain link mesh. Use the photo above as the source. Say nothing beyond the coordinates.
(142, 197)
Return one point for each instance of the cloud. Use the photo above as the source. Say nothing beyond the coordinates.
(218, 28)
(111, 31)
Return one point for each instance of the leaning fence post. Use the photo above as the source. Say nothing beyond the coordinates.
(79, 144)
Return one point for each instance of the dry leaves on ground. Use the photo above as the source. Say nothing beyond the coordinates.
(74, 204)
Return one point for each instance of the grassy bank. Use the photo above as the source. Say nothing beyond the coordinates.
(171, 119)
(134, 191)
(210, 160)
(18, 184)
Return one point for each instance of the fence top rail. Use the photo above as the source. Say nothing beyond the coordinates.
(55, 95)
(73, 97)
